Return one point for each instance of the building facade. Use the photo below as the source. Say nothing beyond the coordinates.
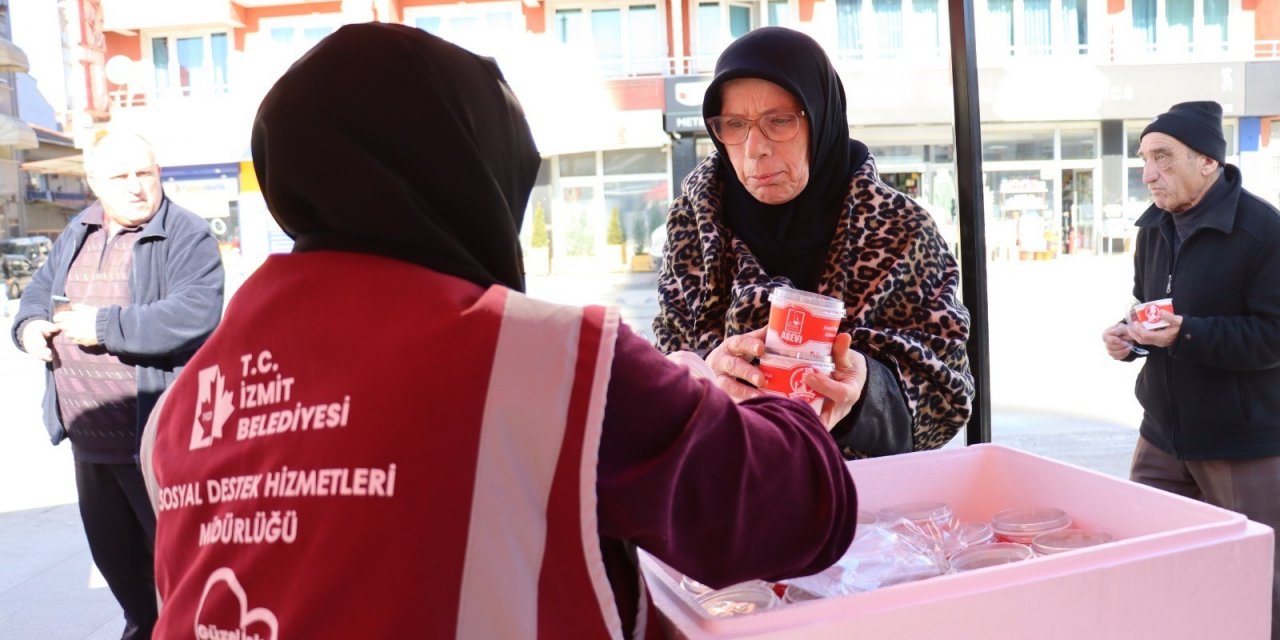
(613, 88)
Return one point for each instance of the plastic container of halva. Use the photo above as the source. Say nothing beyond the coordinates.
(740, 599)
(802, 324)
(989, 555)
(1068, 539)
(784, 376)
(1022, 525)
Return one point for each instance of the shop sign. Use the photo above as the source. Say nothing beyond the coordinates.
(683, 103)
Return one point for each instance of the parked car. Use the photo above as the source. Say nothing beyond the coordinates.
(34, 248)
(22, 270)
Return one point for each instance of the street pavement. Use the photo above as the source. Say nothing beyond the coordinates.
(1054, 392)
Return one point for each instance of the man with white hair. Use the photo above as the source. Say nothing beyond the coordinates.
(130, 290)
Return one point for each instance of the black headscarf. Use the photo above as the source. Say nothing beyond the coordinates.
(384, 139)
(790, 239)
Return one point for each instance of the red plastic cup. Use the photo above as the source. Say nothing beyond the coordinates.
(784, 376)
(1148, 313)
(802, 324)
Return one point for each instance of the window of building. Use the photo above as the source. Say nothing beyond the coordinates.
(1215, 24)
(189, 64)
(624, 40)
(868, 29)
(926, 28)
(281, 41)
(1037, 30)
(778, 13)
(299, 37)
(998, 36)
(1075, 26)
(718, 24)
(1178, 18)
(1144, 22)
(483, 28)
(1180, 26)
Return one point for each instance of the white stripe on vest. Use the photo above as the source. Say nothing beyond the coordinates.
(520, 443)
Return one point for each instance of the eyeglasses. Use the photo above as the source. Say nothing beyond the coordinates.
(779, 126)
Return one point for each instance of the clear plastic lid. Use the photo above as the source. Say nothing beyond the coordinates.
(937, 514)
(693, 586)
(1024, 524)
(795, 594)
(820, 303)
(969, 534)
(738, 600)
(989, 555)
(1068, 539)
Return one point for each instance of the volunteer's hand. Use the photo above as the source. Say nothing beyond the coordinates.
(1117, 341)
(697, 367)
(731, 363)
(79, 325)
(1157, 337)
(845, 386)
(35, 338)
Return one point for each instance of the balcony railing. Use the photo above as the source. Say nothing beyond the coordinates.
(70, 200)
(989, 55)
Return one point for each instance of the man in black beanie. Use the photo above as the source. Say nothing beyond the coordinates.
(1210, 382)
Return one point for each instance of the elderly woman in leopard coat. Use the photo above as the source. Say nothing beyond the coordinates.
(788, 199)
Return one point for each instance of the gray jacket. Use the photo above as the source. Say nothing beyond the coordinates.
(176, 288)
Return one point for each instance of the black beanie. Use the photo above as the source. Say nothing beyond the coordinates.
(1195, 124)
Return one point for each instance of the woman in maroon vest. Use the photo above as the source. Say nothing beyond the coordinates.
(386, 438)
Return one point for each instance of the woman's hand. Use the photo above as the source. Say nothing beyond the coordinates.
(696, 366)
(731, 363)
(844, 388)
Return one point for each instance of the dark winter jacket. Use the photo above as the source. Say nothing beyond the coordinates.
(176, 301)
(1214, 393)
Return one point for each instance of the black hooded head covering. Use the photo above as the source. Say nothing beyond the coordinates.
(384, 139)
(790, 239)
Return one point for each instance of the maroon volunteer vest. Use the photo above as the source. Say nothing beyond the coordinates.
(369, 449)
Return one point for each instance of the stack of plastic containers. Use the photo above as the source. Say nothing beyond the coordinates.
(802, 331)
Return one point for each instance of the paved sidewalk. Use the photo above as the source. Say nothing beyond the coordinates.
(49, 588)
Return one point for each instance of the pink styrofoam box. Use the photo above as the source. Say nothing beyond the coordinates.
(1176, 569)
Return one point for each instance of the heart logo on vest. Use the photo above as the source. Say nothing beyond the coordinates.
(224, 612)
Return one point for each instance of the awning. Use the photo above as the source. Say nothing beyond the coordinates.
(12, 58)
(66, 165)
(16, 133)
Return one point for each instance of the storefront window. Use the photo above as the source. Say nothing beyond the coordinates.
(1017, 145)
(641, 206)
(578, 164)
(1021, 221)
(1079, 144)
(626, 161)
(898, 154)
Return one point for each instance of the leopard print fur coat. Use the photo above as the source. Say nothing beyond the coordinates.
(887, 261)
